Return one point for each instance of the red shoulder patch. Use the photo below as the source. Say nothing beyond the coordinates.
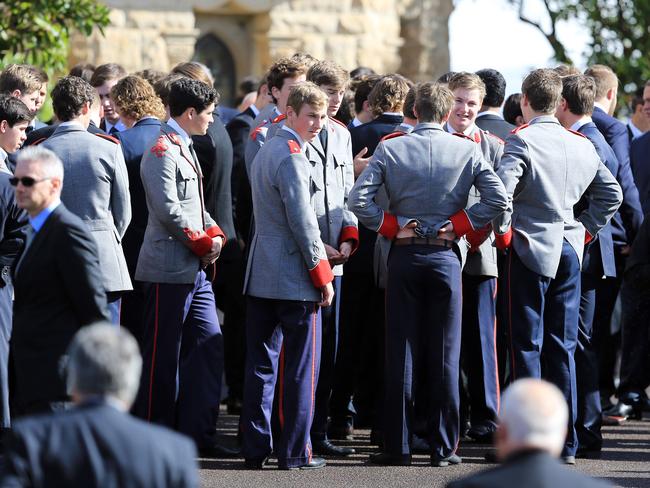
(108, 138)
(39, 141)
(175, 139)
(338, 122)
(159, 147)
(517, 129)
(257, 130)
(496, 138)
(463, 136)
(477, 137)
(393, 135)
(279, 118)
(577, 133)
(294, 147)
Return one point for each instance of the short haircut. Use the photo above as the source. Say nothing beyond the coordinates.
(328, 73)
(188, 93)
(23, 77)
(543, 88)
(446, 77)
(409, 103)
(104, 360)
(604, 77)
(495, 87)
(566, 70)
(637, 99)
(13, 110)
(535, 415)
(194, 70)
(282, 69)
(151, 75)
(249, 84)
(69, 96)
(135, 97)
(579, 91)
(83, 70)
(468, 81)
(362, 88)
(107, 72)
(305, 59)
(360, 71)
(388, 94)
(48, 162)
(306, 94)
(163, 86)
(512, 108)
(346, 110)
(433, 101)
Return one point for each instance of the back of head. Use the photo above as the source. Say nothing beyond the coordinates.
(444, 78)
(362, 86)
(69, 96)
(23, 77)
(543, 88)
(186, 92)
(135, 98)
(163, 86)
(533, 415)
(433, 101)
(495, 87)
(151, 75)
(388, 94)
(107, 72)
(194, 70)
(104, 360)
(566, 70)
(604, 77)
(83, 70)
(13, 110)
(360, 71)
(512, 108)
(328, 73)
(306, 59)
(409, 103)
(579, 91)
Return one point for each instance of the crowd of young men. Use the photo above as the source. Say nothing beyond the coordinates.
(385, 255)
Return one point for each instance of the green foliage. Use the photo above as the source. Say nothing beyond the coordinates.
(37, 31)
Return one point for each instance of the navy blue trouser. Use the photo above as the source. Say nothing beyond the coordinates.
(182, 359)
(6, 304)
(423, 322)
(543, 327)
(479, 348)
(290, 358)
(589, 414)
(329, 349)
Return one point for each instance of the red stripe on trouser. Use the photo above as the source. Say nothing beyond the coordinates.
(496, 358)
(153, 355)
(313, 371)
(512, 346)
(281, 388)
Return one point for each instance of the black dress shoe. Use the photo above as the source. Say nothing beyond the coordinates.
(341, 430)
(445, 461)
(385, 459)
(315, 463)
(217, 451)
(326, 448)
(255, 463)
(481, 433)
(625, 410)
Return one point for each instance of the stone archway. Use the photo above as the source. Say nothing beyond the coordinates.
(213, 52)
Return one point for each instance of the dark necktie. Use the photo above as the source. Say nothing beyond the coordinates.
(322, 135)
(113, 131)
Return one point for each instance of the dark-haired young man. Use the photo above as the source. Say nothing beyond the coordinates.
(15, 117)
(97, 183)
(103, 79)
(183, 346)
(489, 117)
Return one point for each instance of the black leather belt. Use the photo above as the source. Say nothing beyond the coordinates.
(424, 241)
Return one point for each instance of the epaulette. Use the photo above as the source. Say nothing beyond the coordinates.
(392, 135)
(257, 130)
(108, 138)
(576, 133)
(460, 134)
(294, 147)
(39, 141)
(338, 122)
(174, 138)
(497, 138)
(159, 147)
(279, 118)
(517, 129)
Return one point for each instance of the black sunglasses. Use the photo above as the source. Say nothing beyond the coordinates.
(26, 181)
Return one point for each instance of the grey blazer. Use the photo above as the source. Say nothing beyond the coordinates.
(546, 169)
(427, 175)
(259, 135)
(96, 189)
(173, 186)
(287, 259)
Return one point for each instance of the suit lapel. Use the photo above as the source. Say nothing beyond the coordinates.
(26, 259)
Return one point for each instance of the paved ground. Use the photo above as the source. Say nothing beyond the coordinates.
(625, 462)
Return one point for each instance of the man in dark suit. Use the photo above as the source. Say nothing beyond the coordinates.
(57, 285)
(640, 157)
(531, 434)
(98, 443)
(625, 224)
(489, 117)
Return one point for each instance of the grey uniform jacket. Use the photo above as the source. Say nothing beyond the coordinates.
(546, 169)
(96, 189)
(427, 175)
(259, 135)
(332, 183)
(172, 182)
(287, 259)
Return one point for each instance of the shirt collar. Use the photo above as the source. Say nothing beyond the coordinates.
(119, 126)
(256, 111)
(356, 122)
(295, 134)
(3, 155)
(181, 132)
(38, 221)
(601, 106)
(636, 132)
(393, 114)
(72, 123)
(489, 112)
(579, 123)
(467, 131)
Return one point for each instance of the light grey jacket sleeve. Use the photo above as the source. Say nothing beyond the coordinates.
(120, 196)
(605, 196)
(514, 163)
(493, 200)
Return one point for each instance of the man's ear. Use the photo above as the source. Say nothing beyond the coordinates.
(366, 106)
(446, 117)
(611, 93)
(4, 126)
(16, 93)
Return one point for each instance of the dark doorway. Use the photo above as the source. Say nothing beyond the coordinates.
(211, 51)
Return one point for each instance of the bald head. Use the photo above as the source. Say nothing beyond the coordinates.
(533, 415)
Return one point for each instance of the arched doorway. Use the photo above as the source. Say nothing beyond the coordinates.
(212, 52)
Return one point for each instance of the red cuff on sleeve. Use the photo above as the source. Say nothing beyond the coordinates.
(215, 231)
(389, 227)
(477, 237)
(321, 274)
(461, 223)
(199, 242)
(588, 237)
(350, 233)
(503, 241)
